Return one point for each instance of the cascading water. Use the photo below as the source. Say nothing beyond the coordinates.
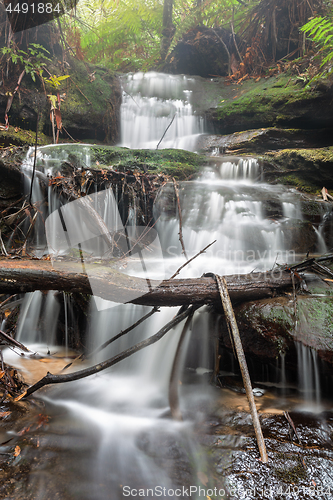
(308, 375)
(114, 419)
(158, 107)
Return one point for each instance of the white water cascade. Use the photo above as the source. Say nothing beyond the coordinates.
(308, 376)
(155, 104)
(110, 429)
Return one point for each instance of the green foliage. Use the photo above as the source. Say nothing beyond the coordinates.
(320, 31)
(121, 34)
(53, 100)
(125, 35)
(32, 61)
(55, 81)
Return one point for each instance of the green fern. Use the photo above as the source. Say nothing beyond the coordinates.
(320, 30)
(125, 35)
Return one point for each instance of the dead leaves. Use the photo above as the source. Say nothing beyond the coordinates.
(41, 421)
(57, 115)
(17, 451)
(4, 414)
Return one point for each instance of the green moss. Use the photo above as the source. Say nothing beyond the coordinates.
(270, 100)
(311, 168)
(291, 475)
(316, 155)
(16, 136)
(293, 180)
(174, 162)
(85, 94)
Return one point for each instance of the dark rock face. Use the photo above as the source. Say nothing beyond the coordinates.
(201, 52)
(11, 176)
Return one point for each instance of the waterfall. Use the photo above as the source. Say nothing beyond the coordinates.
(308, 376)
(155, 104)
(118, 416)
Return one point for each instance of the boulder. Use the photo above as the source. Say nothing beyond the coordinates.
(278, 101)
(201, 52)
(269, 327)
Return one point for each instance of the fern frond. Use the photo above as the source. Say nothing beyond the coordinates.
(320, 31)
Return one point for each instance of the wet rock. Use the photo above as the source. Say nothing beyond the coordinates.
(299, 236)
(11, 176)
(264, 139)
(268, 327)
(294, 470)
(262, 338)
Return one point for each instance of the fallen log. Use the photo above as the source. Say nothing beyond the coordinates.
(27, 275)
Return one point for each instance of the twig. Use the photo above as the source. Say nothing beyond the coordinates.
(190, 260)
(166, 130)
(69, 135)
(173, 385)
(294, 295)
(10, 341)
(230, 317)
(132, 98)
(35, 157)
(308, 263)
(3, 248)
(180, 218)
(226, 49)
(7, 300)
(325, 269)
(291, 423)
(80, 90)
(50, 379)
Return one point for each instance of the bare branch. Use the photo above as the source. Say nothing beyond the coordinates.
(190, 260)
(50, 379)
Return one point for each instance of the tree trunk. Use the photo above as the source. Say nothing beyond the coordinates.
(19, 276)
(168, 28)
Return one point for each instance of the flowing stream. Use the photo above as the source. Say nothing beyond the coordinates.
(112, 431)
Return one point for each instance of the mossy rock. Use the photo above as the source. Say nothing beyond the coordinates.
(90, 103)
(279, 101)
(91, 107)
(15, 136)
(306, 169)
(268, 327)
